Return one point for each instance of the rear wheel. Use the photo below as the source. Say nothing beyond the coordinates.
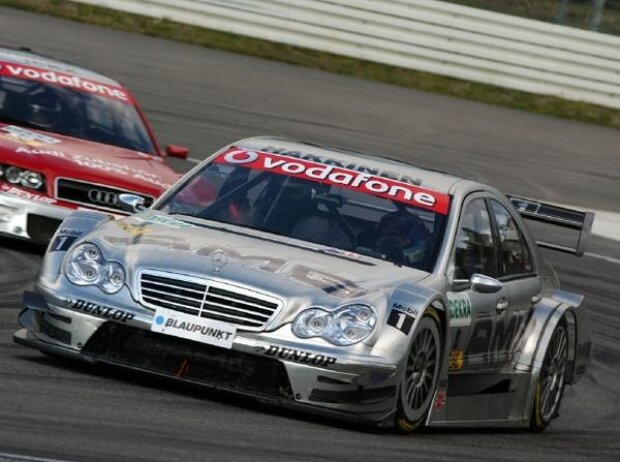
(550, 384)
(419, 380)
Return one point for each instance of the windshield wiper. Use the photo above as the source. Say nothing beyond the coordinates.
(374, 254)
(200, 217)
(310, 246)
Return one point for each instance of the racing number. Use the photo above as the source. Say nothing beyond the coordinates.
(62, 243)
(401, 321)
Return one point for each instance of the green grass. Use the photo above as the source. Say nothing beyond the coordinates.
(547, 105)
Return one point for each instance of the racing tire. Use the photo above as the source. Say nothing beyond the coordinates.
(419, 380)
(550, 384)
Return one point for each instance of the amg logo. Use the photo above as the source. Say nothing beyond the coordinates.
(297, 356)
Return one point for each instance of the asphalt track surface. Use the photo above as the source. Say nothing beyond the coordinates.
(205, 99)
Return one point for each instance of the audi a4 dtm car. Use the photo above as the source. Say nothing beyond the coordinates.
(70, 139)
(329, 280)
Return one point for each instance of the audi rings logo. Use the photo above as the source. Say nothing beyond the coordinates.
(99, 196)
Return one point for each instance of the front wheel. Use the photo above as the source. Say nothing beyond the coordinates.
(550, 383)
(419, 380)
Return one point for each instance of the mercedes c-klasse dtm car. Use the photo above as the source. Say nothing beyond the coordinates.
(70, 139)
(337, 282)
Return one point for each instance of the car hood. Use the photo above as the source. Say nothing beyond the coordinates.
(57, 156)
(297, 272)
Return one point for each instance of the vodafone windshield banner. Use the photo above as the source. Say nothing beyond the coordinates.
(328, 174)
(20, 71)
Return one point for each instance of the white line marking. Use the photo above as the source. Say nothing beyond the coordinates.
(603, 257)
(5, 456)
(606, 224)
(193, 161)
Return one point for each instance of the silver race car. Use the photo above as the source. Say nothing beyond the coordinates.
(325, 279)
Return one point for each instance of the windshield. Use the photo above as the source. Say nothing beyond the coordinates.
(69, 111)
(270, 194)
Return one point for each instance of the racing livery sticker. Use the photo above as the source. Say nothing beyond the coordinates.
(95, 309)
(460, 309)
(331, 284)
(95, 163)
(133, 230)
(402, 317)
(456, 360)
(192, 327)
(42, 152)
(298, 356)
(63, 240)
(313, 157)
(37, 74)
(151, 240)
(31, 195)
(25, 136)
(345, 178)
(440, 399)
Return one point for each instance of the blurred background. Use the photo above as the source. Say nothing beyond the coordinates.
(598, 15)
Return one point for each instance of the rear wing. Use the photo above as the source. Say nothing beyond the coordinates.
(560, 216)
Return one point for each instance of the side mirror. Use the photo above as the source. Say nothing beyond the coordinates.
(131, 203)
(484, 284)
(180, 152)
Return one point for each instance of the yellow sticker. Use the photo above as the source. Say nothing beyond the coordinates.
(455, 360)
(133, 229)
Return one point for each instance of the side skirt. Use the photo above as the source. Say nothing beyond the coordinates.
(485, 400)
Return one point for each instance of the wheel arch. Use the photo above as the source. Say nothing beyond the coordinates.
(565, 307)
(436, 310)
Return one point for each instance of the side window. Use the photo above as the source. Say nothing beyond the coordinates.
(514, 256)
(475, 251)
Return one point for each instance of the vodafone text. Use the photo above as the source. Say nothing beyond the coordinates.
(65, 80)
(363, 182)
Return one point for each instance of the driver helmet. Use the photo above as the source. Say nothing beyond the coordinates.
(44, 108)
(402, 238)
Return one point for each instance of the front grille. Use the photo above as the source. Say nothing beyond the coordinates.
(95, 196)
(207, 299)
(176, 357)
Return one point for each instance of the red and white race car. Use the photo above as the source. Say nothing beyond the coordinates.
(70, 139)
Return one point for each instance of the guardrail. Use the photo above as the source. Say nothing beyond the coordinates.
(425, 35)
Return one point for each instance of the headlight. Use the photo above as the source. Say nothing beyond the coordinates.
(32, 180)
(86, 266)
(13, 175)
(344, 326)
(25, 178)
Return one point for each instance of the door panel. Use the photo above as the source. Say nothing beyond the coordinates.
(520, 280)
(473, 313)
(485, 327)
(474, 342)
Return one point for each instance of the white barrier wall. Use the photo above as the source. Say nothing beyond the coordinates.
(425, 35)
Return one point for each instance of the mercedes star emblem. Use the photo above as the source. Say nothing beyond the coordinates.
(219, 260)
